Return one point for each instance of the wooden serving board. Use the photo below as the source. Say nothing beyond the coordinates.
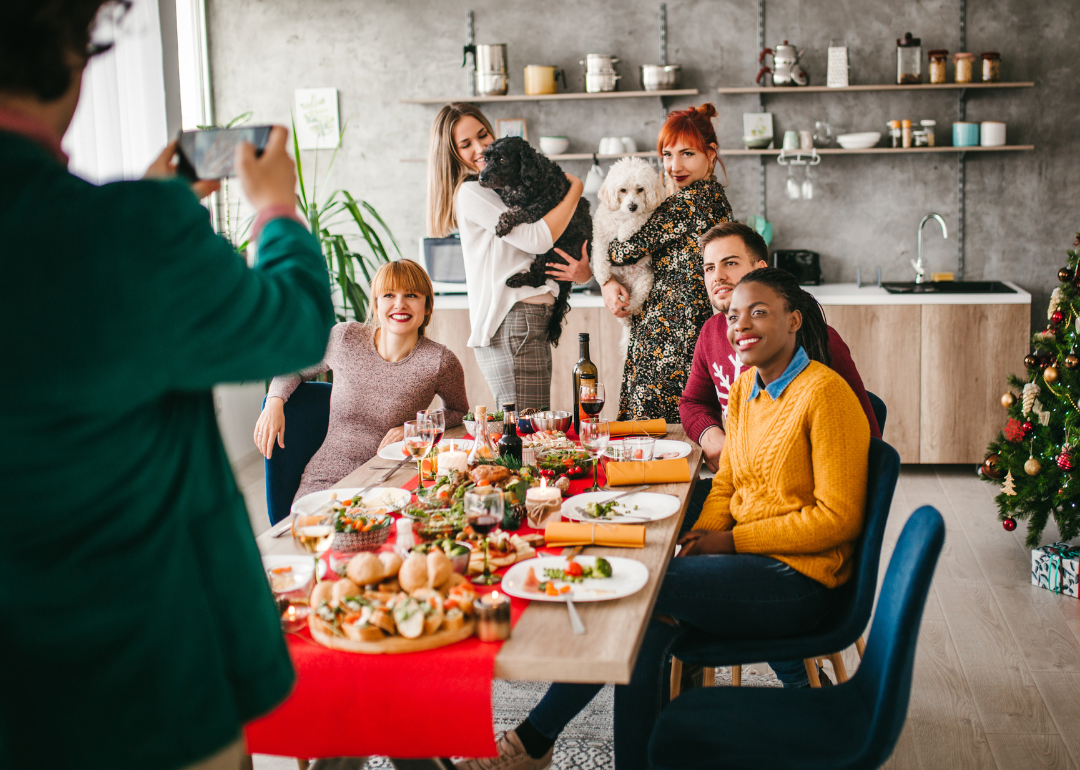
(391, 645)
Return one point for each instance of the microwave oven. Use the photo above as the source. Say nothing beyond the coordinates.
(804, 265)
(444, 262)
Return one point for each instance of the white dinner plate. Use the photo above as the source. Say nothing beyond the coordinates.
(662, 446)
(637, 508)
(388, 497)
(628, 576)
(396, 451)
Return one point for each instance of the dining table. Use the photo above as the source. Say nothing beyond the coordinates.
(541, 648)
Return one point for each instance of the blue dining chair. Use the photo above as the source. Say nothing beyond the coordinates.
(844, 625)
(853, 726)
(880, 411)
(307, 417)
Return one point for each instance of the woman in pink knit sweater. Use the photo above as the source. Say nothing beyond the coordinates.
(383, 375)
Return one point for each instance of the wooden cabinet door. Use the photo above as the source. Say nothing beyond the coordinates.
(884, 341)
(967, 352)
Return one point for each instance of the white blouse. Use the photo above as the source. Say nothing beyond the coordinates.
(490, 260)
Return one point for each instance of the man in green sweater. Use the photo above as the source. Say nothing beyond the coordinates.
(136, 625)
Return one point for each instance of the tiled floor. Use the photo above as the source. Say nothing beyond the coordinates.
(997, 672)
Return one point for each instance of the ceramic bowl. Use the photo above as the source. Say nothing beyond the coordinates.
(861, 141)
(756, 142)
(554, 145)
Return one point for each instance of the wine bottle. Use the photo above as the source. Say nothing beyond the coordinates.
(510, 444)
(482, 448)
(585, 370)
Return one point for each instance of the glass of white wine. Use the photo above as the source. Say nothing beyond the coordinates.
(419, 438)
(595, 436)
(315, 534)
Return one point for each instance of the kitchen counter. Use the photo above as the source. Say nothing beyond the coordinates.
(461, 301)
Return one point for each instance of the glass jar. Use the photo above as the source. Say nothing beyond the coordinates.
(929, 127)
(908, 60)
(991, 67)
(905, 132)
(894, 132)
(938, 58)
(918, 138)
(964, 64)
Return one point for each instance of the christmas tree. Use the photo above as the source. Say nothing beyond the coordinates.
(1034, 456)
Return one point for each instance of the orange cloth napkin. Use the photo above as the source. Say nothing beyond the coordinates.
(560, 534)
(651, 472)
(654, 428)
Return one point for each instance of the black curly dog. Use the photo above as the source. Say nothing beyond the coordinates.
(531, 185)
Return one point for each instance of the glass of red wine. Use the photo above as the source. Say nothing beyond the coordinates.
(592, 399)
(484, 512)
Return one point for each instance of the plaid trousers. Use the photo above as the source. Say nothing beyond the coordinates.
(517, 362)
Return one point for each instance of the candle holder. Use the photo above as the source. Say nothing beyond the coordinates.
(492, 617)
(543, 504)
(295, 616)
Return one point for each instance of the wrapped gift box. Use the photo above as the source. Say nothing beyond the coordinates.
(1054, 566)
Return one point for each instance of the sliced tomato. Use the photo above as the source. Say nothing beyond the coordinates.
(573, 569)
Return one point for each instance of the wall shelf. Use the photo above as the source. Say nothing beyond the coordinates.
(820, 151)
(777, 90)
(553, 97)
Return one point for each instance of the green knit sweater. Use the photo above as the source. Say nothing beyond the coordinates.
(136, 626)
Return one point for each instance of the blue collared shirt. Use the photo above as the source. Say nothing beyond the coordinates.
(779, 385)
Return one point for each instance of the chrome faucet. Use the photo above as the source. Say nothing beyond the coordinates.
(920, 269)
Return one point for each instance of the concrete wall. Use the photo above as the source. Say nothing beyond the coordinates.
(1021, 212)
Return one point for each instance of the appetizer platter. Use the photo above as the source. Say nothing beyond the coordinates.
(663, 449)
(582, 578)
(385, 605)
(634, 508)
(546, 439)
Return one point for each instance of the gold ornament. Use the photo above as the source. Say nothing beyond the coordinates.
(1072, 361)
(1032, 467)
(1050, 374)
(1008, 400)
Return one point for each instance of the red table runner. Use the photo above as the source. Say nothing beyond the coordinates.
(435, 703)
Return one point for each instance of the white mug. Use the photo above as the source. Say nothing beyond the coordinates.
(628, 144)
(992, 133)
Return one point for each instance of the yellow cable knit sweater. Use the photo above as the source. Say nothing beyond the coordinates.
(792, 476)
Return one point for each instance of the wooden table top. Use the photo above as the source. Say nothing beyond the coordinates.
(542, 647)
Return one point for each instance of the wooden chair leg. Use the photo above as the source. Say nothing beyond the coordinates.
(708, 677)
(811, 672)
(246, 763)
(736, 676)
(860, 647)
(303, 763)
(838, 667)
(676, 678)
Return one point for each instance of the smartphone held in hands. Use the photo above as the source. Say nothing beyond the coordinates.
(209, 153)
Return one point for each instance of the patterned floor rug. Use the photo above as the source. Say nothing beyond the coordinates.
(586, 744)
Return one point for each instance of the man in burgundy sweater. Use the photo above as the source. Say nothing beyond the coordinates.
(730, 250)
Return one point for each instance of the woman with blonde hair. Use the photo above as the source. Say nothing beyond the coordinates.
(385, 371)
(509, 326)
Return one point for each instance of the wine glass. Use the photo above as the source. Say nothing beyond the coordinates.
(438, 420)
(315, 533)
(419, 437)
(591, 398)
(595, 435)
(484, 511)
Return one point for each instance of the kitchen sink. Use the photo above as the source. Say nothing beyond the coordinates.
(948, 287)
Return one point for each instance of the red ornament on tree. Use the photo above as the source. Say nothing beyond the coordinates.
(1065, 460)
(1009, 524)
(1027, 426)
(1057, 317)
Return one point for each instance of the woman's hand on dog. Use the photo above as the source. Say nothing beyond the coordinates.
(616, 298)
(576, 270)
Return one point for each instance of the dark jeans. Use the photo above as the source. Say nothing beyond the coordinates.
(729, 596)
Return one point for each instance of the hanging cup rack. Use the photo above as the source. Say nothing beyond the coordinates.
(798, 158)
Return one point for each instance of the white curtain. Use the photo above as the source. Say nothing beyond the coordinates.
(119, 127)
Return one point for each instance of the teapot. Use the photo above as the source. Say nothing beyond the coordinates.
(785, 70)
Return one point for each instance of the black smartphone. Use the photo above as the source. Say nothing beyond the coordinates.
(209, 153)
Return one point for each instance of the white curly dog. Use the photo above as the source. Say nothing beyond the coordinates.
(631, 192)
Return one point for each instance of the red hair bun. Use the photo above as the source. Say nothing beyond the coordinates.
(692, 127)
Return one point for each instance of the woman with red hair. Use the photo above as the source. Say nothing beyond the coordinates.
(663, 334)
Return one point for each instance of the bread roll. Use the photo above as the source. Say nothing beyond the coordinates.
(414, 572)
(453, 620)
(323, 592)
(363, 632)
(341, 589)
(364, 569)
(383, 620)
(391, 564)
(439, 568)
(409, 618)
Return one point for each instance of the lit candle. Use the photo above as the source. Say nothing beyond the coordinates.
(294, 617)
(492, 617)
(543, 504)
(453, 459)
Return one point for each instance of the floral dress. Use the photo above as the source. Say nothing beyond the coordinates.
(663, 334)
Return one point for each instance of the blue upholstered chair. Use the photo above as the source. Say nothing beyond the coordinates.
(843, 627)
(848, 727)
(880, 411)
(307, 416)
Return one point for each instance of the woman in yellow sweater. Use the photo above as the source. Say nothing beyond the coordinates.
(776, 533)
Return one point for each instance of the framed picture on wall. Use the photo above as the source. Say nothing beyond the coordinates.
(512, 127)
(758, 126)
